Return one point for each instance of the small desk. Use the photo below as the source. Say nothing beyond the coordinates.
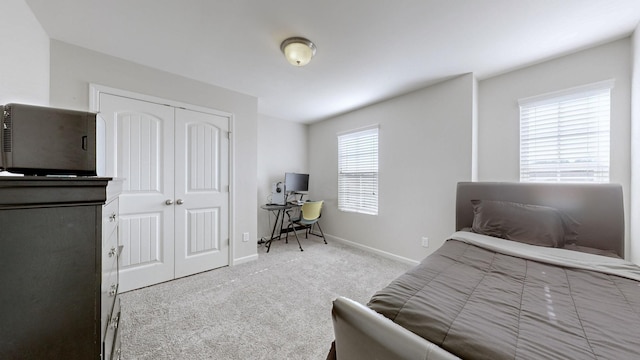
(280, 213)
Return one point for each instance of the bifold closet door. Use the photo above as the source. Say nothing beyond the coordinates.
(174, 208)
(140, 149)
(202, 191)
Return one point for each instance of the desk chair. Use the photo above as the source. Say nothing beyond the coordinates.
(309, 215)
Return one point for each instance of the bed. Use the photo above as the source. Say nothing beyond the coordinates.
(533, 271)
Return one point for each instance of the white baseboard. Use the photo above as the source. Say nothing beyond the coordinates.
(388, 255)
(243, 260)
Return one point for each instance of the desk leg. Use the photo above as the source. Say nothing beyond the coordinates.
(282, 223)
(273, 231)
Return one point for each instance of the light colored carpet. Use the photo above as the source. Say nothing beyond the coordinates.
(278, 307)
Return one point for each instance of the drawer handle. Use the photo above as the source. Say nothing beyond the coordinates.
(113, 290)
(112, 218)
(112, 252)
(114, 322)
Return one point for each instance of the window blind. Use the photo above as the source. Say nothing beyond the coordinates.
(565, 138)
(358, 171)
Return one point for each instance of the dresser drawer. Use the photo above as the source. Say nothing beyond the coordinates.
(109, 283)
(116, 354)
(108, 296)
(111, 338)
(109, 218)
(110, 253)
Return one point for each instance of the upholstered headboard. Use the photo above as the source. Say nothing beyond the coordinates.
(597, 207)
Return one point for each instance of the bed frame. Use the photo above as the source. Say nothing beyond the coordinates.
(597, 207)
(362, 333)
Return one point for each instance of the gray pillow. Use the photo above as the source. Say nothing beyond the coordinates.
(530, 224)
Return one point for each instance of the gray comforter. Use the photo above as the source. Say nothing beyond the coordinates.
(479, 302)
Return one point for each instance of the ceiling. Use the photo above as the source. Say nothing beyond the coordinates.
(368, 50)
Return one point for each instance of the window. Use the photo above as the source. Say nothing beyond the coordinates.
(358, 171)
(564, 137)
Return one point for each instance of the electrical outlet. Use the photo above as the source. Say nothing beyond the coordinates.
(425, 241)
(245, 237)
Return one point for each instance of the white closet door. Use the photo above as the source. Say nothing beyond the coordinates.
(140, 149)
(201, 191)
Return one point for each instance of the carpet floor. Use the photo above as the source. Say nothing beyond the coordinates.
(278, 307)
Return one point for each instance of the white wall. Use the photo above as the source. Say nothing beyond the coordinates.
(635, 151)
(282, 147)
(24, 56)
(498, 111)
(425, 142)
(74, 68)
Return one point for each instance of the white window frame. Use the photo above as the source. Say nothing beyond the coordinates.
(565, 135)
(358, 152)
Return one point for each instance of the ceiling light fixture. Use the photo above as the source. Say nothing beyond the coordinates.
(298, 50)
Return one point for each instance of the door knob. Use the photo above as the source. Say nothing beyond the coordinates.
(179, 201)
(169, 202)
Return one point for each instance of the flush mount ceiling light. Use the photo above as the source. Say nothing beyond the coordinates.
(298, 50)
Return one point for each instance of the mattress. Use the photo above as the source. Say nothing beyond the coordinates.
(480, 297)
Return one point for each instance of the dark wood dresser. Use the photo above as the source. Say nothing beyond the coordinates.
(51, 254)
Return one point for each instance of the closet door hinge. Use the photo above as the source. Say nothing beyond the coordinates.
(229, 135)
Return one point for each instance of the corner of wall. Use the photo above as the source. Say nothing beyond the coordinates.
(474, 129)
(634, 206)
(414, 128)
(275, 157)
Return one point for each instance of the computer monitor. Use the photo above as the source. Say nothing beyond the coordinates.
(294, 182)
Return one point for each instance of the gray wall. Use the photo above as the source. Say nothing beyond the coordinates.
(634, 215)
(282, 147)
(24, 56)
(74, 68)
(499, 114)
(421, 160)
(425, 142)
(427, 136)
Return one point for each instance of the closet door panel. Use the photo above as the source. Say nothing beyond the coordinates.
(202, 191)
(140, 149)
(140, 156)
